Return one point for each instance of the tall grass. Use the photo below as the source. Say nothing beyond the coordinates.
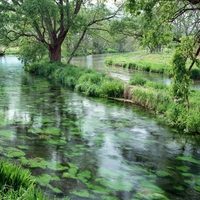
(17, 183)
(156, 97)
(87, 81)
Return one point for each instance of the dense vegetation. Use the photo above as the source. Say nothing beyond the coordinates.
(55, 29)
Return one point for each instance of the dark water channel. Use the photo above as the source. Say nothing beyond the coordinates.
(88, 148)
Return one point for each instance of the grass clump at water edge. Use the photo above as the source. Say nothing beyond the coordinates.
(17, 183)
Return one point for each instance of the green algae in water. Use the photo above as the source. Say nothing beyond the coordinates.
(145, 196)
(179, 188)
(6, 133)
(188, 158)
(197, 188)
(13, 152)
(47, 120)
(162, 173)
(35, 130)
(52, 131)
(24, 161)
(58, 141)
(37, 162)
(56, 166)
(183, 168)
(82, 193)
(22, 147)
(73, 169)
(187, 174)
(98, 189)
(147, 185)
(44, 179)
(84, 176)
(109, 198)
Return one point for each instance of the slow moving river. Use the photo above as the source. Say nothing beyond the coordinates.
(87, 148)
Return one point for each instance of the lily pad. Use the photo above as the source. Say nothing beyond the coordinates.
(82, 193)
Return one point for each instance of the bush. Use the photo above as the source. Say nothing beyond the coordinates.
(195, 74)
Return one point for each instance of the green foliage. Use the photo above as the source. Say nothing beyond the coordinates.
(84, 80)
(17, 183)
(30, 50)
(157, 63)
(181, 78)
(112, 88)
(137, 80)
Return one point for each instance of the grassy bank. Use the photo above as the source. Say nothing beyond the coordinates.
(156, 97)
(153, 96)
(17, 183)
(149, 62)
(87, 81)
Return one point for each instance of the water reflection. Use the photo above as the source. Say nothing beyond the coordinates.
(90, 148)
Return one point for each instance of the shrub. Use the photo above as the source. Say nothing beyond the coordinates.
(195, 74)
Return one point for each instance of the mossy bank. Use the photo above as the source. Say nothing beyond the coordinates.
(153, 96)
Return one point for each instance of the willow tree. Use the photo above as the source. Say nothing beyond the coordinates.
(48, 21)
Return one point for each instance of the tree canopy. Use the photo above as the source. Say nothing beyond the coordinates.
(49, 22)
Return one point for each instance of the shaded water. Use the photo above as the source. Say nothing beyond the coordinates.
(88, 148)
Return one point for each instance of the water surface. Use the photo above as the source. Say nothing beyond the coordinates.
(88, 148)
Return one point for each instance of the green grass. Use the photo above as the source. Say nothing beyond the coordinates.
(149, 62)
(16, 183)
(84, 80)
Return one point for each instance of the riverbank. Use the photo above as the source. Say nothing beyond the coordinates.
(149, 62)
(153, 96)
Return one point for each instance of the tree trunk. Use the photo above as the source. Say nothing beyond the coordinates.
(55, 53)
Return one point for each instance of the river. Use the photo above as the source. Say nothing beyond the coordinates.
(88, 148)
(97, 62)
